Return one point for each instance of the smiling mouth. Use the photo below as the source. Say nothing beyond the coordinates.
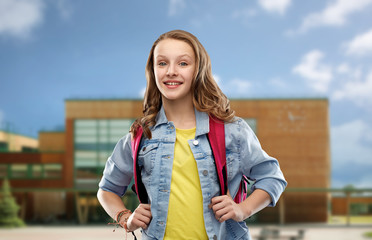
(172, 83)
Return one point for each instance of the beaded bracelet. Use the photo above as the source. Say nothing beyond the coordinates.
(118, 218)
(121, 213)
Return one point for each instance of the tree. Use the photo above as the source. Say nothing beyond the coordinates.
(9, 208)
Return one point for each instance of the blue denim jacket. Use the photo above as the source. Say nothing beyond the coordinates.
(244, 155)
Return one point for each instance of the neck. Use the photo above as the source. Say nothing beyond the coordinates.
(181, 113)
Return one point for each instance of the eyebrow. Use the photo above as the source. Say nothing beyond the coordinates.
(163, 56)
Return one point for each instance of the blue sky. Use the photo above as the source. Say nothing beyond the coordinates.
(52, 50)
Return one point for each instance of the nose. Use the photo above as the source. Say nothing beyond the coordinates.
(172, 70)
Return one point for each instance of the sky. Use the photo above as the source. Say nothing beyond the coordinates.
(53, 50)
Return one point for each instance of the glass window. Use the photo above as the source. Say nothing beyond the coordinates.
(85, 183)
(86, 146)
(19, 171)
(115, 139)
(3, 146)
(103, 138)
(122, 124)
(94, 141)
(28, 149)
(86, 154)
(86, 139)
(85, 162)
(52, 170)
(86, 131)
(103, 133)
(103, 123)
(87, 177)
(37, 170)
(3, 170)
(104, 154)
(85, 123)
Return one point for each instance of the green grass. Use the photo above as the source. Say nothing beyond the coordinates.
(353, 220)
(368, 234)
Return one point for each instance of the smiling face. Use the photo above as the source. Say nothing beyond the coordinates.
(174, 68)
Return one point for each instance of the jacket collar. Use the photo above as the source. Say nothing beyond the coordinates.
(202, 121)
(161, 118)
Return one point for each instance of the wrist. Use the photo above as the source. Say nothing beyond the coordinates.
(246, 210)
(122, 218)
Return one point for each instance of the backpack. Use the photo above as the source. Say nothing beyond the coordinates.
(216, 137)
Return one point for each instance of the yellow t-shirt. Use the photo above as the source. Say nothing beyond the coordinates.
(185, 211)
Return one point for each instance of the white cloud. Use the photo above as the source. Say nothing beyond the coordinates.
(19, 17)
(318, 75)
(175, 6)
(344, 70)
(217, 78)
(239, 86)
(350, 143)
(235, 87)
(335, 14)
(356, 91)
(360, 45)
(142, 92)
(275, 6)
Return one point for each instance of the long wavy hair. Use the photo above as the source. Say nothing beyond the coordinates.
(207, 96)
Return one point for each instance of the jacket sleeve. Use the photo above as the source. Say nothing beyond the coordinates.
(258, 166)
(118, 171)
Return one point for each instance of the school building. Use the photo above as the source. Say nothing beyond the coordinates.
(60, 179)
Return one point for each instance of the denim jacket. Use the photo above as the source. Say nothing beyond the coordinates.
(244, 155)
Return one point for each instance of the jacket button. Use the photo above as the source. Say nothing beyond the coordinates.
(143, 149)
(205, 172)
(195, 142)
(214, 237)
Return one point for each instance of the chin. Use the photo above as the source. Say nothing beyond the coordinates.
(176, 98)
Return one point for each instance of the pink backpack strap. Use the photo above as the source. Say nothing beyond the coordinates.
(140, 189)
(216, 138)
(243, 190)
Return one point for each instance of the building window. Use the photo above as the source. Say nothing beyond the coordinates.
(28, 149)
(19, 171)
(31, 171)
(3, 171)
(94, 141)
(37, 171)
(52, 171)
(4, 147)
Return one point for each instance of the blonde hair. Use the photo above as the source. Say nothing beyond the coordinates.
(207, 96)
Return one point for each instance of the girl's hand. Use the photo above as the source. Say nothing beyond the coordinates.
(225, 208)
(140, 218)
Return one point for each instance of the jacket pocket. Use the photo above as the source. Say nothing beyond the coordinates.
(146, 157)
(236, 230)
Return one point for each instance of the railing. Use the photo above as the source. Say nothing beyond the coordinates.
(86, 198)
(347, 193)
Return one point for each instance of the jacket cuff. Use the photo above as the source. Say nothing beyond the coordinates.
(274, 187)
(108, 186)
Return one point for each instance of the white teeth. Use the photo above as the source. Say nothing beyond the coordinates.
(172, 83)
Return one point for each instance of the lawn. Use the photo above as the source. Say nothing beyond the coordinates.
(353, 219)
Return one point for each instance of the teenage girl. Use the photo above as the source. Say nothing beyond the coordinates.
(178, 169)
